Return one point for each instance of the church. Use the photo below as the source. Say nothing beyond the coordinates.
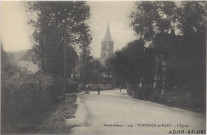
(107, 46)
(107, 49)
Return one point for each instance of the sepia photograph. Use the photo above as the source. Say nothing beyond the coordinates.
(103, 67)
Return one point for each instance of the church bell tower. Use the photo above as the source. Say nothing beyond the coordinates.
(107, 46)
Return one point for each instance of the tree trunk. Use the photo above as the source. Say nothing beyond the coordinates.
(161, 74)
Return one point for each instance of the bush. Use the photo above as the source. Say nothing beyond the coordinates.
(72, 86)
(25, 99)
(56, 89)
(130, 90)
(180, 99)
(174, 97)
(139, 92)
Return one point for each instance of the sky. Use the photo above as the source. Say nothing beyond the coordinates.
(17, 34)
(116, 15)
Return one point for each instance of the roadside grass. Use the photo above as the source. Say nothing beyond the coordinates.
(55, 123)
(180, 100)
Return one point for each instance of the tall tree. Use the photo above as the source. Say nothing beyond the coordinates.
(85, 57)
(132, 65)
(151, 18)
(96, 72)
(193, 27)
(59, 26)
(177, 31)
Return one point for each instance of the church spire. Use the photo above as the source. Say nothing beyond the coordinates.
(107, 36)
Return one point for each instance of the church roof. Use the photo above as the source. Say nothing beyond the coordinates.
(107, 36)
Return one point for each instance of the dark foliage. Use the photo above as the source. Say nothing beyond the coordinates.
(59, 29)
(174, 59)
(133, 65)
(25, 100)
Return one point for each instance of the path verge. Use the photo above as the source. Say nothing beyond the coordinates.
(56, 122)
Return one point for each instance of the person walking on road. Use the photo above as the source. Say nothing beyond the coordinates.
(87, 89)
(99, 90)
(120, 87)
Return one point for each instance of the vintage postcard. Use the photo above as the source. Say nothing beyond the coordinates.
(103, 67)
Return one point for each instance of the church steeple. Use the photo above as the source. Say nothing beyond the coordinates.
(107, 36)
(107, 46)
